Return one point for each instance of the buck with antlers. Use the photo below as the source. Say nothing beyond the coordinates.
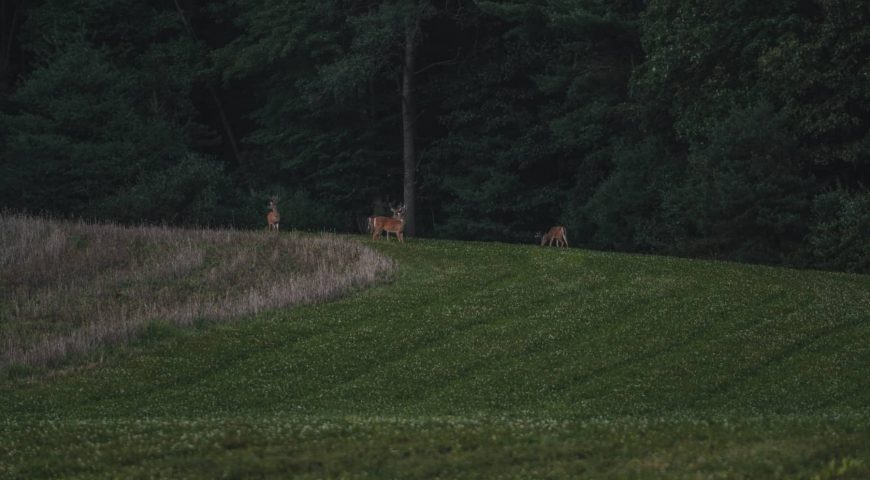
(273, 217)
(557, 234)
(396, 224)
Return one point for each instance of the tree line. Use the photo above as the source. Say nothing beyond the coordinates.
(733, 130)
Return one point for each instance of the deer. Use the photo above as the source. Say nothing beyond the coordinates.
(370, 228)
(396, 224)
(273, 217)
(557, 234)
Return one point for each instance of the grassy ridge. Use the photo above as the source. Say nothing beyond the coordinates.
(485, 360)
(67, 288)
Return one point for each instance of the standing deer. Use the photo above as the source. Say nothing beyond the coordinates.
(370, 228)
(557, 234)
(273, 217)
(396, 224)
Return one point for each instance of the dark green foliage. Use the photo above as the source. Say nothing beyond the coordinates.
(527, 130)
(325, 124)
(101, 127)
(670, 126)
(624, 211)
(191, 192)
(743, 191)
(299, 210)
(764, 107)
(840, 232)
(70, 153)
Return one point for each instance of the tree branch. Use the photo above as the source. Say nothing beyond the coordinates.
(449, 61)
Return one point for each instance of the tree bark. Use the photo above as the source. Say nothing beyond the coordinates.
(409, 130)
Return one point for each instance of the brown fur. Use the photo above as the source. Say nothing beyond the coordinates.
(273, 218)
(396, 224)
(557, 234)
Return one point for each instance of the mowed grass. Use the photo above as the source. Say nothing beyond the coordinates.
(481, 361)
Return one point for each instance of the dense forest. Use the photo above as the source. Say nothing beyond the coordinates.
(732, 129)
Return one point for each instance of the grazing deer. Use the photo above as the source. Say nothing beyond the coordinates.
(557, 234)
(396, 224)
(273, 217)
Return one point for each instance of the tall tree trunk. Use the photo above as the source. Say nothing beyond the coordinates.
(409, 130)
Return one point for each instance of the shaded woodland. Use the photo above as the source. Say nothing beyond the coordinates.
(713, 129)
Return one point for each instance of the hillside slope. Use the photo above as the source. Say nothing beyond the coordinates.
(67, 288)
(482, 360)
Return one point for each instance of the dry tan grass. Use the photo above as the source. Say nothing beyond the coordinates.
(66, 288)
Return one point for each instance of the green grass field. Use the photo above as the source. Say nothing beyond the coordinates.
(479, 361)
